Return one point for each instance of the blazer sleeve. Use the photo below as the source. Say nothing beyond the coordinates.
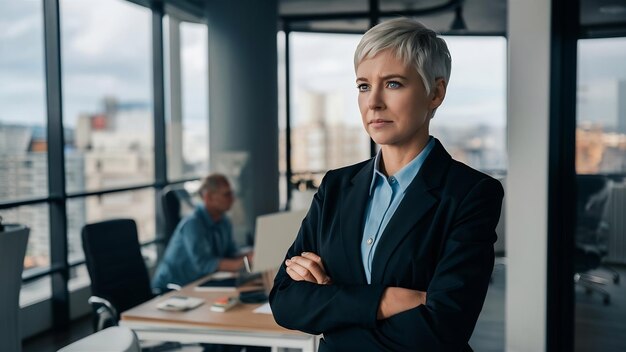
(314, 308)
(457, 291)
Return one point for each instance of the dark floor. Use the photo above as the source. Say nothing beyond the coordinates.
(53, 341)
(598, 327)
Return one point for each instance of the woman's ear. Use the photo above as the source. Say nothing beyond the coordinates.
(438, 93)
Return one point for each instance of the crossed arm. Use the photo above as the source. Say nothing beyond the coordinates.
(309, 267)
(442, 321)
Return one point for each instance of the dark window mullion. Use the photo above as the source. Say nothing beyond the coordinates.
(158, 96)
(374, 17)
(561, 176)
(288, 171)
(56, 166)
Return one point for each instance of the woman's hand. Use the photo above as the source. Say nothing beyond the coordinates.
(397, 300)
(307, 267)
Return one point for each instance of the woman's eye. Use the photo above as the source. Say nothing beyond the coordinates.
(362, 87)
(393, 85)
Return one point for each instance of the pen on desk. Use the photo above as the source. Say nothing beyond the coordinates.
(246, 263)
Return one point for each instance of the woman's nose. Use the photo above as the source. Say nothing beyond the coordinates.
(375, 100)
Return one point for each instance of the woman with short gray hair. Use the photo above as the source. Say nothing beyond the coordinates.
(396, 252)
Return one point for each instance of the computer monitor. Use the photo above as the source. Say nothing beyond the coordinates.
(274, 235)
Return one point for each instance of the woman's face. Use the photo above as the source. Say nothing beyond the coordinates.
(392, 99)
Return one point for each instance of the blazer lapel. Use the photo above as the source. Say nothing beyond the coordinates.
(417, 201)
(352, 215)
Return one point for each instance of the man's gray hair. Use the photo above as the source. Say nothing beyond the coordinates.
(212, 183)
(412, 43)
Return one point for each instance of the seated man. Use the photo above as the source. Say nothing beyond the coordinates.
(202, 242)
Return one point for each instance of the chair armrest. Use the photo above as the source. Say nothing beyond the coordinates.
(104, 311)
(173, 287)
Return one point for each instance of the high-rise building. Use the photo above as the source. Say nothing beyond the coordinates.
(24, 174)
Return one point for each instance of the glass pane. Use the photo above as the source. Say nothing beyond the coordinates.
(311, 7)
(107, 94)
(341, 26)
(326, 129)
(35, 291)
(188, 130)
(37, 257)
(79, 277)
(23, 139)
(600, 237)
(471, 123)
(137, 205)
(282, 117)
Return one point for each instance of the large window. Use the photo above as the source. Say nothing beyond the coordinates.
(107, 103)
(326, 129)
(108, 127)
(600, 237)
(471, 123)
(108, 118)
(187, 108)
(23, 159)
(23, 139)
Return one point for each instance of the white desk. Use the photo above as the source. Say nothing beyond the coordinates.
(238, 326)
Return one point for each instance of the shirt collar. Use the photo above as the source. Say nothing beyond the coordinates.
(405, 175)
(204, 214)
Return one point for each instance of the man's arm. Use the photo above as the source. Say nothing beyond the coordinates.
(232, 261)
(201, 252)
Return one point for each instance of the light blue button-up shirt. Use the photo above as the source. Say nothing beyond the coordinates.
(196, 247)
(386, 193)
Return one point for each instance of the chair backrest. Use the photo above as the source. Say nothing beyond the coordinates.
(592, 200)
(13, 242)
(115, 264)
(113, 339)
(500, 246)
(175, 203)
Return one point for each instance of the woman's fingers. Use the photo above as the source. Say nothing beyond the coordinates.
(294, 275)
(309, 268)
(316, 258)
(302, 272)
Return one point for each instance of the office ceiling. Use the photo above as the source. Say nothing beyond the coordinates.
(479, 16)
(476, 17)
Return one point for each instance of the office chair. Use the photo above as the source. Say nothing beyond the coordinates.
(119, 278)
(13, 240)
(174, 203)
(113, 339)
(591, 238)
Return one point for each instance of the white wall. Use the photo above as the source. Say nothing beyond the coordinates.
(527, 180)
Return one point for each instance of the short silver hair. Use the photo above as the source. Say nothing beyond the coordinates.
(212, 183)
(412, 43)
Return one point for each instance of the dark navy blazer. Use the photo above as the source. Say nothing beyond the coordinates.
(440, 240)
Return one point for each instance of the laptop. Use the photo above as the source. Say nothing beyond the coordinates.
(275, 233)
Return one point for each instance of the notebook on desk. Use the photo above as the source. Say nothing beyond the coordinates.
(274, 235)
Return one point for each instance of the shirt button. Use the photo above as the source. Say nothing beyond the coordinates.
(392, 180)
(369, 241)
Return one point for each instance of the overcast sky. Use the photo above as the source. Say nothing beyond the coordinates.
(106, 51)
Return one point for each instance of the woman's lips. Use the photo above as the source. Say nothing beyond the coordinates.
(378, 123)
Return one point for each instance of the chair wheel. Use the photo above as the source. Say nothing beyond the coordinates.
(606, 300)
